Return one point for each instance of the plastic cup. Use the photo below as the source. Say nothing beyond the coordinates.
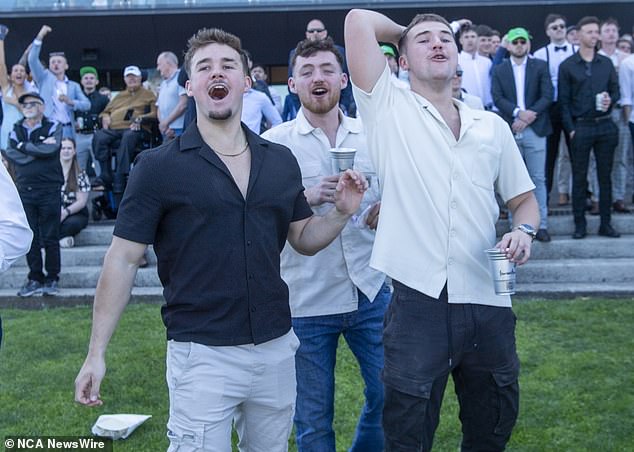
(502, 272)
(342, 159)
(598, 102)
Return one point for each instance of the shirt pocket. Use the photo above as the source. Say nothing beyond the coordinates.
(364, 165)
(484, 170)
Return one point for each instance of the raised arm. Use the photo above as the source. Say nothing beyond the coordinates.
(4, 78)
(112, 295)
(37, 68)
(363, 29)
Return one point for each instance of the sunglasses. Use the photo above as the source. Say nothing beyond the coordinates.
(459, 73)
(557, 27)
(519, 41)
(315, 30)
(31, 104)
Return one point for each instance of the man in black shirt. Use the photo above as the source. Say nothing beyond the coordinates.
(87, 121)
(34, 146)
(588, 89)
(218, 204)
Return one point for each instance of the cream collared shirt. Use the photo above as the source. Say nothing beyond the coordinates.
(327, 282)
(438, 208)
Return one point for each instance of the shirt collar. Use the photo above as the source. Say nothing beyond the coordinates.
(348, 124)
(523, 63)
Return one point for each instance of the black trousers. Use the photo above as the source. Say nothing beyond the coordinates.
(43, 211)
(601, 138)
(427, 339)
(125, 144)
(552, 144)
(74, 223)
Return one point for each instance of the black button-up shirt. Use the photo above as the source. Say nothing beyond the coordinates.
(218, 253)
(579, 83)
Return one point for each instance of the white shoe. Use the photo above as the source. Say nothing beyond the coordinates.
(67, 242)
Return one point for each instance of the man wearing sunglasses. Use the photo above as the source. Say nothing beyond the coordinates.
(523, 92)
(316, 31)
(554, 54)
(34, 146)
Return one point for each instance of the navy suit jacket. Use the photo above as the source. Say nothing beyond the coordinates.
(538, 93)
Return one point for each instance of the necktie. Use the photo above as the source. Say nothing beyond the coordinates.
(558, 48)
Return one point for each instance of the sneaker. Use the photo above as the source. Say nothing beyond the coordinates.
(49, 288)
(67, 242)
(29, 288)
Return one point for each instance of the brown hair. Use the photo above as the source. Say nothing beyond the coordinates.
(588, 20)
(206, 36)
(73, 173)
(419, 18)
(552, 18)
(307, 48)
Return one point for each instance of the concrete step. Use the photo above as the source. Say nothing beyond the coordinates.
(565, 271)
(558, 290)
(77, 277)
(89, 255)
(96, 234)
(73, 297)
(564, 224)
(593, 246)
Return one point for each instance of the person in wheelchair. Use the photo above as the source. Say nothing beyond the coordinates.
(126, 122)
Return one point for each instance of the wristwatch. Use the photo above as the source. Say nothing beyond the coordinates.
(528, 229)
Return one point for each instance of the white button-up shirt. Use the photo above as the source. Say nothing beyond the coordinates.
(256, 104)
(519, 74)
(438, 207)
(554, 59)
(626, 83)
(476, 79)
(327, 282)
(15, 233)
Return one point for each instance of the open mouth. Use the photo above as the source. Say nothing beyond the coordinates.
(218, 92)
(439, 58)
(319, 91)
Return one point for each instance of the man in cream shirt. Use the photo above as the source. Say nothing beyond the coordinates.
(335, 292)
(440, 164)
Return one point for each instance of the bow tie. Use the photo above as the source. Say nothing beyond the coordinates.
(558, 48)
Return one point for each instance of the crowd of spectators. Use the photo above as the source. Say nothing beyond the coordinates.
(108, 131)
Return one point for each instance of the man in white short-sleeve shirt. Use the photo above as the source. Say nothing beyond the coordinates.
(440, 164)
(334, 293)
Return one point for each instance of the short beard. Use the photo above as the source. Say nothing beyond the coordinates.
(220, 115)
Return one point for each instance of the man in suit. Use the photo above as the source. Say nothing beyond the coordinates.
(523, 92)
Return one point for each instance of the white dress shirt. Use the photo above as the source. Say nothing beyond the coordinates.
(327, 282)
(15, 233)
(626, 84)
(519, 75)
(256, 104)
(554, 58)
(476, 79)
(438, 205)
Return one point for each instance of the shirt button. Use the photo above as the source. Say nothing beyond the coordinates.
(452, 233)
(250, 276)
(454, 204)
(248, 242)
(450, 261)
(253, 309)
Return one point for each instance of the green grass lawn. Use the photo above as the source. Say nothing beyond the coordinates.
(577, 377)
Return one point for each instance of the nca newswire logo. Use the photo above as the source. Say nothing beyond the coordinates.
(62, 443)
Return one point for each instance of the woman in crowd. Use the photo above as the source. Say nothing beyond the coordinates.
(13, 86)
(75, 193)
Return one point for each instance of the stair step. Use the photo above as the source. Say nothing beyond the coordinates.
(73, 297)
(564, 271)
(90, 255)
(593, 246)
(77, 277)
(572, 290)
(564, 225)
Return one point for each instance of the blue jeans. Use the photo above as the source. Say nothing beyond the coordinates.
(315, 368)
(533, 150)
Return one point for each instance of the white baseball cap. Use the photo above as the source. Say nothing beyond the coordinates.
(134, 70)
